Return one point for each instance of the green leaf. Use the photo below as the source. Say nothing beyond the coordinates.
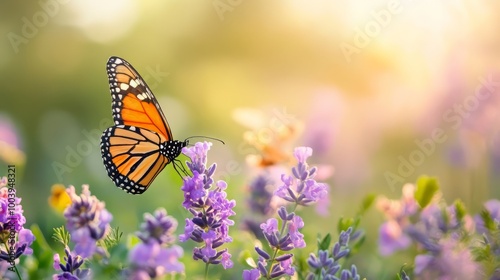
(324, 243)
(132, 240)
(427, 187)
(43, 255)
(460, 210)
(489, 223)
(356, 222)
(482, 253)
(444, 214)
(37, 232)
(357, 245)
(301, 265)
(61, 235)
(245, 258)
(113, 238)
(367, 203)
(344, 224)
(402, 274)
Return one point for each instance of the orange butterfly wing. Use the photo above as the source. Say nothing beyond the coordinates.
(133, 103)
(132, 157)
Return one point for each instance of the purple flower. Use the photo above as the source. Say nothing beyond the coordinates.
(21, 246)
(4, 215)
(10, 217)
(15, 240)
(260, 203)
(445, 251)
(294, 225)
(327, 265)
(87, 221)
(72, 268)
(251, 274)
(270, 226)
(436, 222)
(302, 153)
(188, 231)
(451, 261)
(26, 237)
(57, 261)
(209, 237)
(154, 260)
(283, 267)
(441, 235)
(392, 238)
(158, 227)
(280, 242)
(207, 202)
(301, 188)
(226, 260)
(260, 200)
(152, 257)
(393, 234)
(198, 155)
(194, 190)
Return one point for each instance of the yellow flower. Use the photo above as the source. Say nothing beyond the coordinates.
(59, 199)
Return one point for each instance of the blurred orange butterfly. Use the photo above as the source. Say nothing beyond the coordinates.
(140, 144)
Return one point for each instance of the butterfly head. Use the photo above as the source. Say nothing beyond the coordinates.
(173, 148)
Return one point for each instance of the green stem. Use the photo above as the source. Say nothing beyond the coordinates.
(17, 272)
(272, 263)
(206, 271)
(283, 226)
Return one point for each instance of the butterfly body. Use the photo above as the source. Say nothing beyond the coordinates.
(140, 144)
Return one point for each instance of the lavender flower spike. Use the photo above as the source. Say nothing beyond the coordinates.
(155, 256)
(327, 265)
(211, 209)
(12, 223)
(158, 227)
(87, 221)
(301, 188)
(72, 269)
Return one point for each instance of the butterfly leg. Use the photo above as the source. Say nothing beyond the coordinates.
(178, 164)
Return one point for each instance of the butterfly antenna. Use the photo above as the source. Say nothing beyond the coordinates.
(199, 136)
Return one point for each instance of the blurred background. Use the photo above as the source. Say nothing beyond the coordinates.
(383, 92)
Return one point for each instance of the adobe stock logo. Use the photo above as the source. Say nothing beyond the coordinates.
(31, 26)
(223, 6)
(454, 117)
(76, 154)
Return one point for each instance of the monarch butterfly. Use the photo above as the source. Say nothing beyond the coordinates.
(140, 144)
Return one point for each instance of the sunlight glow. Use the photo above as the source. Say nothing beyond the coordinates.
(103, 21)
